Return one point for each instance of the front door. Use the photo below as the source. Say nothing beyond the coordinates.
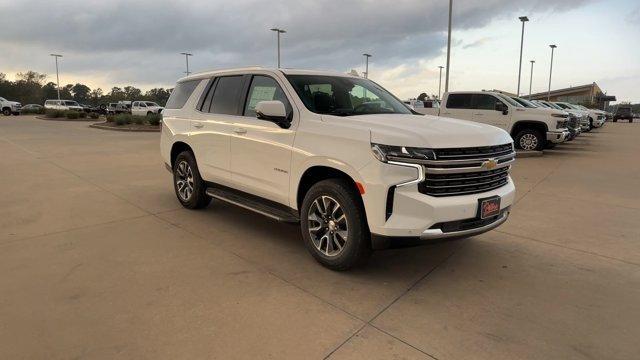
(261, 150)
(484, 111)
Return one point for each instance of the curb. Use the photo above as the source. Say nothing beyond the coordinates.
(103, 127)
(64, 119)
(528, 153)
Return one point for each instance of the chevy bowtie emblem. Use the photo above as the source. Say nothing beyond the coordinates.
(489, 164)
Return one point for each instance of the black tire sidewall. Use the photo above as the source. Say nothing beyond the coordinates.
(358, 245)
(542, 142)
(6, 112)
(199, 198)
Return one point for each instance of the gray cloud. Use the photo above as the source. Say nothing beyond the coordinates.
(138, 41)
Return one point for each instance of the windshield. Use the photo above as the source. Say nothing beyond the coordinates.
(71, 103)
(509, 100)
(525, 103)
(345, 96)
(554, 106)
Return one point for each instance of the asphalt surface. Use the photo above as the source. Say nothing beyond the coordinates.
(99, 261)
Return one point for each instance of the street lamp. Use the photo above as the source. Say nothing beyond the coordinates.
(524, 19)
(186, 57)
(440, 81)
(366, 65)
(57, 73)
(279, 31)
(446, 82)
(550, 71)
(531, 77)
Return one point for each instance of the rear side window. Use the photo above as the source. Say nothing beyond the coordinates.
(181, 94)
(226, 96)
(459, 101)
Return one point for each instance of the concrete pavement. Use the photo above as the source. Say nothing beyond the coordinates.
(98, 260)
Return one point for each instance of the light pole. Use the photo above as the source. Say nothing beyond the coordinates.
(440, 81)
(550, 71)
(531, 77)
(446, 81)
(186, 57)
(524, 19)
(57, 73)
(279, 31)
(366, 65)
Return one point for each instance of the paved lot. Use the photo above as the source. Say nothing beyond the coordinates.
(98, 260)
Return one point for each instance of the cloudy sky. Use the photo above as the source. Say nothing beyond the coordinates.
(118, 43)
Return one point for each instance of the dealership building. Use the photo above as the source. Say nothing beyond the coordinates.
(590, 94)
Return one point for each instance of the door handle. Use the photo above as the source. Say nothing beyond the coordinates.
(197, 125)
(240, 131)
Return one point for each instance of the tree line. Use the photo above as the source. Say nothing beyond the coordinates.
(31, 88)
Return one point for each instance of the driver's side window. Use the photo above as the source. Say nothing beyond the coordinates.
(264, 88)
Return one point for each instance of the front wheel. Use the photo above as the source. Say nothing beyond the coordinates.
(334, 226)
(6, 112)
(530, 139)
(189, 186)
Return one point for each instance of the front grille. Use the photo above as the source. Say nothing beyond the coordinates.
(467, 170)
(467, 224)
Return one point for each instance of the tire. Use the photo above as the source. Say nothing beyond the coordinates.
(530, 139)
(149, 113)
(6, 112)
(185, 173)
(591, 124)
(347, 221)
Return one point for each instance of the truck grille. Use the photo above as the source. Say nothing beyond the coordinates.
(467, 170)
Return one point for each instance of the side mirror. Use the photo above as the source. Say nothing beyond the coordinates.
(500, 106)
(273, 111)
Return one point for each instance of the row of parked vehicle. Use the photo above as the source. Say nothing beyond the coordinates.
(534, 125)
(129, 107)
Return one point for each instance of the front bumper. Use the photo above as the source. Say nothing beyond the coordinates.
(558, 136)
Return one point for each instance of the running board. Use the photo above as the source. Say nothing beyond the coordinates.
(253, 203)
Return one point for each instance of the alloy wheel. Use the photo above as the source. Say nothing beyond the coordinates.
(328, 227)
(184, 180)
(528, 142)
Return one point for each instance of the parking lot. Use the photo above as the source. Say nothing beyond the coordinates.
(99, 260)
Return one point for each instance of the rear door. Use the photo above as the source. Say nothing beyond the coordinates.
(484, 111)
(261, 150)
(458, 106)
(211, 127)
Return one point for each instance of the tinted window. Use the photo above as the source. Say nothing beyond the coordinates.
(227, 95)
(459, 101)
(484, 102)
(181, 94)
(264, 88)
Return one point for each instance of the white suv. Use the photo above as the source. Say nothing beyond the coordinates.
(62, 105)
(9, 107)
(338, 154)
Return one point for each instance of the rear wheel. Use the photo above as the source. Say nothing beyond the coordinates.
(334, 226)
(530, 139)
(189, 186)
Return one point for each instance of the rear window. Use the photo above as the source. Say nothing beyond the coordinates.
(181, 94)
(459, 101)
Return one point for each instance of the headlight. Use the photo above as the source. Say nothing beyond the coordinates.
(386, 153)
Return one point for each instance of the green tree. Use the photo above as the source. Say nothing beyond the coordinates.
(80, 93)
(158, 95)
(132, 93)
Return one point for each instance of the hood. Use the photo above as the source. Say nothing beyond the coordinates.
(543, 111)
(425, 131)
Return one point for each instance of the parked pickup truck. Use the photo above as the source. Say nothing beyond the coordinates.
(336, 153)
(145, 108)
(531, 128)
(9, 107)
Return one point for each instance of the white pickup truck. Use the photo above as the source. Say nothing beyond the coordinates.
(531, 128)
(10, 107)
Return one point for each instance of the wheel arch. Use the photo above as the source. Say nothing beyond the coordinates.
(529, 124)
(177, 148)
(317, 173)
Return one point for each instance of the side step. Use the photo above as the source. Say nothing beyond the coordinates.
(261, 206)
